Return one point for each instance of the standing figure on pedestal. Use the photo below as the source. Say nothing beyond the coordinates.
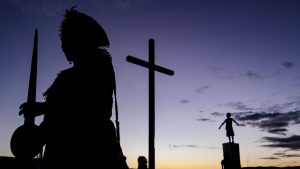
(229, 129)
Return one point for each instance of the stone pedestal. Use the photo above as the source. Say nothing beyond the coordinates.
(231, 154)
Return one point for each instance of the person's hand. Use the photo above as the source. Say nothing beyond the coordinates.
(30, 109)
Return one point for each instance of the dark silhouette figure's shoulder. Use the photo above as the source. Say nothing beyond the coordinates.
(61, 80)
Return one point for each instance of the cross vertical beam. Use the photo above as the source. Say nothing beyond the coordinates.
(152, 68)
(151, 106)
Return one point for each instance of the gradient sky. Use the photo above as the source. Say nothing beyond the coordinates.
(239, 56)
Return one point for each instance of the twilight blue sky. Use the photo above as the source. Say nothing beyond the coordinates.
(238, 56)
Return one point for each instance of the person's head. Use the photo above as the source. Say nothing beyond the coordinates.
(79, 33)
(228, 115)
(142, 160)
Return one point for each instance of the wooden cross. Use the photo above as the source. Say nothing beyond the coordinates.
(152, 68)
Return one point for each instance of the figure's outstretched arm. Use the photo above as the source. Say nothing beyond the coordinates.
(221, 125)
(235, 122)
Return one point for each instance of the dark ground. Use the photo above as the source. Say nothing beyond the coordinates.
(296, 167)
(12, 163)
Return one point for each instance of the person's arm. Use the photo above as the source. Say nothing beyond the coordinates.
(222, 124)
(235, 122)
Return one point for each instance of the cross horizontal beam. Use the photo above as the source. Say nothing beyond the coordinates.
(147, 65)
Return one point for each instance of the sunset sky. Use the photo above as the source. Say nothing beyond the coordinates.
(238, 56)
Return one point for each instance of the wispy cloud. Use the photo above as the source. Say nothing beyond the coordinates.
(279, 131)
(217, 114)
(287, 65)
(242, 125)
(240, 106)
(184, 101)
(253, 75)
(201, 89)
(259, 76)
(292, 105)
(184, 146)
(190, 146)
(216, 69)
(205, 120)
(286, 154)
(290, 155)
(269, 158)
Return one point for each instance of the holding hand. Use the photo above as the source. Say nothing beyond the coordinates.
(31, 109)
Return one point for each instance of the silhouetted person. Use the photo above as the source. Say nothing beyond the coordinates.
(229, 129)
(223, 164)
(142, 162)
(78, 105)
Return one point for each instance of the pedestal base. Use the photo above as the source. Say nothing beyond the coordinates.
(231, 154)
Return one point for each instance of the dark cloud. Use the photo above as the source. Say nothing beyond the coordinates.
(283, 107)
(284, 66)
(200, 90)
(287, 65)
(284, 154)
(290, 155)
(205, 120)
(296, 102)
(184, 101)
(183, 146)
(253, 75)
(239, 106)
(216, 114)
(242, 125)
(292, 142)
(217, 69)
(256, 116)
(190, 146)
(270, 158)
(279, 131)
(271, 124)
(275, 123)
(279, 154)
